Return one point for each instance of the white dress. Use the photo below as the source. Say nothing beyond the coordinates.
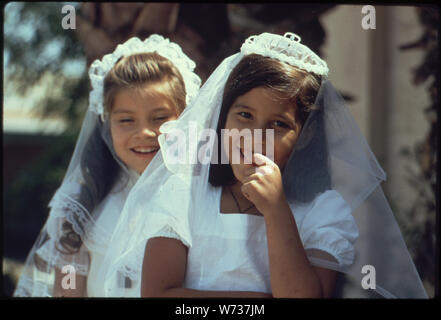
(110, 208)
(229, 251)
(89, 260)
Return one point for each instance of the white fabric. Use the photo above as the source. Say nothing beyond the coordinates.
(170, 195)
(111, 207)
(229, 250)
(80, 261)
(138, 223)
(88, 261)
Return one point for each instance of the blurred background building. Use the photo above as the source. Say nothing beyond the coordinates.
(388, 75)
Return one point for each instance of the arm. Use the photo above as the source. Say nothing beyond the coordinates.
(291, 274)
(290, 271)
(163, 273)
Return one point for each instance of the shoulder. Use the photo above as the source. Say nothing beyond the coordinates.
(326, 201)
(331, 200)
(327, 224)
(328, 210)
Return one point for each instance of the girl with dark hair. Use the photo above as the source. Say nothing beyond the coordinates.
(135, 89)
(298, 199)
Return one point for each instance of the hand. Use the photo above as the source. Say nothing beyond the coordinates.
(262, 185)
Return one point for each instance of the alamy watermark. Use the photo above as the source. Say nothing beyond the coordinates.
(194, 147)
(368, 21)
(68, 281)
(68, 21)
(369, 280)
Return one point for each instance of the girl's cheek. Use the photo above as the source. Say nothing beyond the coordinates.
(119, 135)
(116, 137)
(282, 150)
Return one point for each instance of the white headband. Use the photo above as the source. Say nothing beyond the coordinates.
(286, 48)
(154, 43)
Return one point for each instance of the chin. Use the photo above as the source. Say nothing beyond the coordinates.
(238, 171)
(140, 170)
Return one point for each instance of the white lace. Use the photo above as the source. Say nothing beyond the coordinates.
(155, 43)
(286, 48)
(65, 208)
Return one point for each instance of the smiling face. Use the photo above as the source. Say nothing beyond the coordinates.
(261, 108)
(135, 118)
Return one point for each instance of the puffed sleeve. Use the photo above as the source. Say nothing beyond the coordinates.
(327, 224)
(168, 212)
(169, 232)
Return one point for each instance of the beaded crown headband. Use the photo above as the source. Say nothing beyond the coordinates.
(286, 48)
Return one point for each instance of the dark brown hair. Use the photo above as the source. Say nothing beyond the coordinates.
(289, 82)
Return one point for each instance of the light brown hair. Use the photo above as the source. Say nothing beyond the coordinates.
(138, 70)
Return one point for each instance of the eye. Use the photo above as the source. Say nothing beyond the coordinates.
(280, 124)
(161, 118)
(127, 120)
(244, 114)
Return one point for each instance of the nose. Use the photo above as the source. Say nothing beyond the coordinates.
(147, 132)
(258, 141)
(262, 139)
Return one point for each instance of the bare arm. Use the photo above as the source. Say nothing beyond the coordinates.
(292, 275)
(163, 273)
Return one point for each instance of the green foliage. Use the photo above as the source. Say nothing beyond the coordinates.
(30, 29)
(35, 44)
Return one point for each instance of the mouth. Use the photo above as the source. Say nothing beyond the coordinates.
(144, 151)
(242, 157)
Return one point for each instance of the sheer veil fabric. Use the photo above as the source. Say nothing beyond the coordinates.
(79, 208)
(166, 197)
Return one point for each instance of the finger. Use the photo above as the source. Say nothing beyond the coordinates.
(249, 171)
(251, 190)
(260, 160)
(248, 190)
(255, 173)
(245, 193)
(255, 176)
(264, 170)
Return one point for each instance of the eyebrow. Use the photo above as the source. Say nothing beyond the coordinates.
(238, 105)
(287, 118)
(160, 108)
(122, 111)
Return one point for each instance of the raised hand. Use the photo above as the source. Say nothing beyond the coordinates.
(262, 185)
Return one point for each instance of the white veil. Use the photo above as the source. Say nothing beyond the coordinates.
(168, 191)
(93, 171)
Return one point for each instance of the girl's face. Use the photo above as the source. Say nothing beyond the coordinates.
(260, 108)
(135, 118)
